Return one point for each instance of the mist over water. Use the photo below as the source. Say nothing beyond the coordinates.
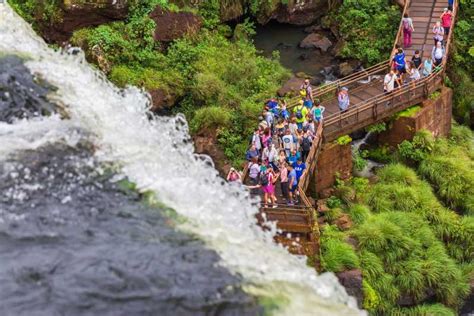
(158, 156)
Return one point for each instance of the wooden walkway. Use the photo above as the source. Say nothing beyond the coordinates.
(369, 105)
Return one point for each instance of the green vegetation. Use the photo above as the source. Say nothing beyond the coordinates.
(448, 164)
(461, 64)
(409, 246)
(410, 112)
(38, 13)
(344, 140)
(220, 84)
(368, 28)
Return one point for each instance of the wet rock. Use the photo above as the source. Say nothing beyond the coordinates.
(337, 49)
(302, 75)
(345, 69)
(313, 28)
(316, 81)
(22, 96)
(294, 12)
(352, 281)
(344, 222)
(173, 25)
(303, 57)
(206, 144)
(162, 100)
(328, 70)
(316, 40)
(291, 87)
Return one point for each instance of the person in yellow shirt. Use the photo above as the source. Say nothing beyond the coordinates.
(300, 112)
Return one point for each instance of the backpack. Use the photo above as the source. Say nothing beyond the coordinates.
(299, 113)
(263, 179)
(303, 92)
(406, 24)
(306, 144)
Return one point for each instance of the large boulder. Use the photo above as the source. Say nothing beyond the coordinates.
(296, 12)
(316, 40)
(291, 87)
(352, 281)
(173, 25)
(71, 15)
(162, 100)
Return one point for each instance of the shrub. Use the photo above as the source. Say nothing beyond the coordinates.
(210, 118)
(359, 213)
(336, 255)
(368, 28)
(344, 140)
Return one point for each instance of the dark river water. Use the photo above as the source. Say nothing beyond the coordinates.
(73, 242)
(285, 39)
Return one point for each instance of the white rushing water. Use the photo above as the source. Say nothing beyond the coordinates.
(158, 155)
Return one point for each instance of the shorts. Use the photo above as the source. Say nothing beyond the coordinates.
(402, 70)
(293, 189)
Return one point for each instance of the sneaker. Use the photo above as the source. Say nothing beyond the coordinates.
(274, 206)
(290, 203)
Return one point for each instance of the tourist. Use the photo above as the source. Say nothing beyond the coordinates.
(298, 138)
(293, 156)
(446, 19)
(398, 79)
(408, 28)
(256, 140)
(318, 111)
(252, 152)
(284, 180)
(292, 185)
(234, 176)
(306, 91)
(417, 60)
(283, 111)
(427, 67)
(399, 61)
(271, 156)
(288, 142)
(281, 158)
(254, 171)
(269, 118)
(414, 74)
(293, 126)
(300, 112)
(267, 137)
(280, 131)
(267, 179)
(308, 125)
(451, 5)
(343, 99)
(437, 54)
(389, 82)
(299, 168)
(306, 145)
(438, 32)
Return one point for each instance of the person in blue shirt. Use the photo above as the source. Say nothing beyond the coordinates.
(294, 157)
(299, 167)
(399, 61)
(292, 184)
(252, 153)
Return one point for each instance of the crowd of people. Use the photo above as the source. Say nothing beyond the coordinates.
(280, 146)
(405, 71)
(282, 141)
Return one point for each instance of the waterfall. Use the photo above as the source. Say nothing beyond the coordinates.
(158, 155)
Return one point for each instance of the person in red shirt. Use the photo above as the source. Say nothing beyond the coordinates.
(446, 19)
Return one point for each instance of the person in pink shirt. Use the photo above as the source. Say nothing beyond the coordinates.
(446, 19)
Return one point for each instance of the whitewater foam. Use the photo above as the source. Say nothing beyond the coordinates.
(158, 155)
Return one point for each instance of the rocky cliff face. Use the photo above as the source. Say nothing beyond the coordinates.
(297, 12)
(58, 24)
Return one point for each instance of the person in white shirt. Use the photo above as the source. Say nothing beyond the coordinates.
(288, 142)
(389, 83)
(437, 54)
